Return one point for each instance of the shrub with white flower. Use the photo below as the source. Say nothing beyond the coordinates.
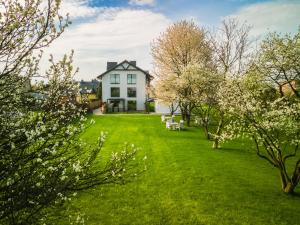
(272, 121)
(43, 162)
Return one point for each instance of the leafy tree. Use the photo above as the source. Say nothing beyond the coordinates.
(279, 61)
(99, 91)
(165, 92)
(43, 162)
(261, 110)
(230, 45)
(181, 45)
(271, 121)
(203, 83)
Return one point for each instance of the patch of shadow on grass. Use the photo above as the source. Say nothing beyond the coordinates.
(236, 149)
(295, 194)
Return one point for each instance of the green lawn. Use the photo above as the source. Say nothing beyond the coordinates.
(186, 182)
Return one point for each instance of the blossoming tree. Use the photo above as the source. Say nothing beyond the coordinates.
(230, 47)
(272, 122)
(183, 44)
(43, 162)
(279, 62)
(261, 111)
(202, 83)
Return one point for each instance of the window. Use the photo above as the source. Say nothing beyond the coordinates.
(131, 105)
(115, 78)
(131, 78)
(115, 92)
(131, 92)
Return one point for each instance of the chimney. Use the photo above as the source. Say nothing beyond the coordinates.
(111, 65)
(132, 63)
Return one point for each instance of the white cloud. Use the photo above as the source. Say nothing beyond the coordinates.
(142, 2)
(78, 9)
(114, 35)
(280, 16)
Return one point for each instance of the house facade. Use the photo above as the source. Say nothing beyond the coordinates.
(124, 86)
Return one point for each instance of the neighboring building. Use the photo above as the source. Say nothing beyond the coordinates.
(88, 90)
(286, 88)
(124, 86)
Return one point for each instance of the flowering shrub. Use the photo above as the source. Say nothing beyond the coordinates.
(273, 122)
(43, 162)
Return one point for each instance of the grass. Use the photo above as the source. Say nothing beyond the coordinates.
(186, 182)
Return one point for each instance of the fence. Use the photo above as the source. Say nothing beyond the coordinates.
(94, 104)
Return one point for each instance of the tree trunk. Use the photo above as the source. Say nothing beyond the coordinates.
(188, 119)
(289, 188)
(216, 144)
(183, 113)
(206, 131)
(281, 91)
(287, 185)
(183, 116)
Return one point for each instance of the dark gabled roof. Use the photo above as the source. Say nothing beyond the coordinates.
(88, 87)
(148, 76)
(94, 84)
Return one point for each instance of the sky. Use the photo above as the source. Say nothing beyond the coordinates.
(115, 30)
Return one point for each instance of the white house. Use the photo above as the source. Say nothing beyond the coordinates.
(124, 86)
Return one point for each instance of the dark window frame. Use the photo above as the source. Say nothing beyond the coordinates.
(130, 92)
(130, 103)
(111, 92)
(114, 78)
(131, 78)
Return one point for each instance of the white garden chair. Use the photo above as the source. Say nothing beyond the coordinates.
(180, 125)
(163, 118)
(168, 126)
